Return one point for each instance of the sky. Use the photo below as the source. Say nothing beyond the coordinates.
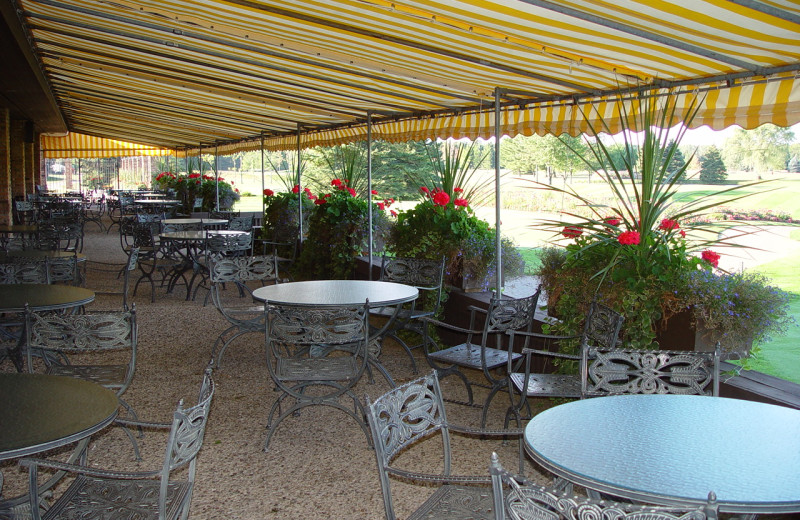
(705, 136)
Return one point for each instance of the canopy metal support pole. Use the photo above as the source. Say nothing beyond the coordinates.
(299, 187)
(216, 173)
(200, 160)
(80, 183)
(263, 187)
(369, 194)
(498, 241)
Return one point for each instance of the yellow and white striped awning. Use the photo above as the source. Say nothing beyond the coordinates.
(80, 146)
(201, 73)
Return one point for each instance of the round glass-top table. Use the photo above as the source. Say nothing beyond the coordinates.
(41, 412)
(337, 292)
(675, 449)
(42, 297)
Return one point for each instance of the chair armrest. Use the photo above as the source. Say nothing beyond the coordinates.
(437, 323)
(85, 470)
(438, 477)
(540, 335)
(534, 351)
(143, 424)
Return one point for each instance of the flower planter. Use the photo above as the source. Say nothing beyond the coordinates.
(683, 332)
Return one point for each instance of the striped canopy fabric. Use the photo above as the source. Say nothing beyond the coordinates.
(229, 74)
(80, 146)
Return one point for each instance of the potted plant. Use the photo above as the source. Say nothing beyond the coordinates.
(337, 233)
(645, 254)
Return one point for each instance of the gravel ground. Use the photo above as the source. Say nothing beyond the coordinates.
(319, 464)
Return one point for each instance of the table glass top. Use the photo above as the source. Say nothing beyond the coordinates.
(337, 292)
(40, 410)
(675, 446)
(13, 297)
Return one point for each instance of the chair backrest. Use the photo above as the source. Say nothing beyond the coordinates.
(401, 417)
(149, 217)
(630, 371)
(62, 269)
(243, 269)
(240, 223)
(517, 498)
(426, 275)
(328, 325)
(190, 226)
(82, 333)
(602, 326)
(506, 314)
(185, 440)
(227, 244)
(23, 270)
(133, 263)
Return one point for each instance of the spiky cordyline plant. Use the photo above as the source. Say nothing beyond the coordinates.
(643, 189)
(348, 163)
(454, 166)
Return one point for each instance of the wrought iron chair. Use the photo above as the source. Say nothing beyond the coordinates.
(488, 354)
(219, 245)
(63, 270)
(601, 328)
(238, 223)
(410, 413)
(427, 277)
(54, 336)
(517, 498)
(315, 356)
(152, 258)
(24, 212)
(164, 493)
(609, 370)
(243, 316)
(23, 270)
(64, 234)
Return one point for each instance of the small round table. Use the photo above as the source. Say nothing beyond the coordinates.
(42, 297)
(41, 412)
(675, 449)
(344, 292)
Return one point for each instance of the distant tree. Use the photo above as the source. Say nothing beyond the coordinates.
(794, 165)
(759, 150)
(676, 163)
(712, 168)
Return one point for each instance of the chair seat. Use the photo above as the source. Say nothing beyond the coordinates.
(468, 355)
(117, 499)
(316, 369)
(109, 376)
(457, 502)
(548, 385)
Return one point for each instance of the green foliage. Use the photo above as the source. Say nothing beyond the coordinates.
(712, 169)
(632, 252)
(760, 149)
(281, 221)
(454, 167)
(439, 227)
(675, 166)
(337, 233)
(186, 187)
(348, 163)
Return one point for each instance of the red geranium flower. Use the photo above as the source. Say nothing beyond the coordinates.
(374, 192)
(629, 238)
(682, 233)
(381, 206)
(320, 202)
(425, 190)
(441, 198)
(268, 192)
(457, 190)
(572, 231)
(351, 191)
(393, 213)
(668, 224)
(336, 183)
(612, 221)
(194, 176)
(296, 188)
(461, 202)
(711, 257)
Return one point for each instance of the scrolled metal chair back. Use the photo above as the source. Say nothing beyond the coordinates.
(81, 332)
(188, 429)
(419, 272)
(512, 314)
(632, 371)
(243, 269)
(170, 227)
(602, 326)
(517, 498)
(62, 269)
(23, 270)
(404, 415)
(301, 325)
(222, 243)
(240, 223)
